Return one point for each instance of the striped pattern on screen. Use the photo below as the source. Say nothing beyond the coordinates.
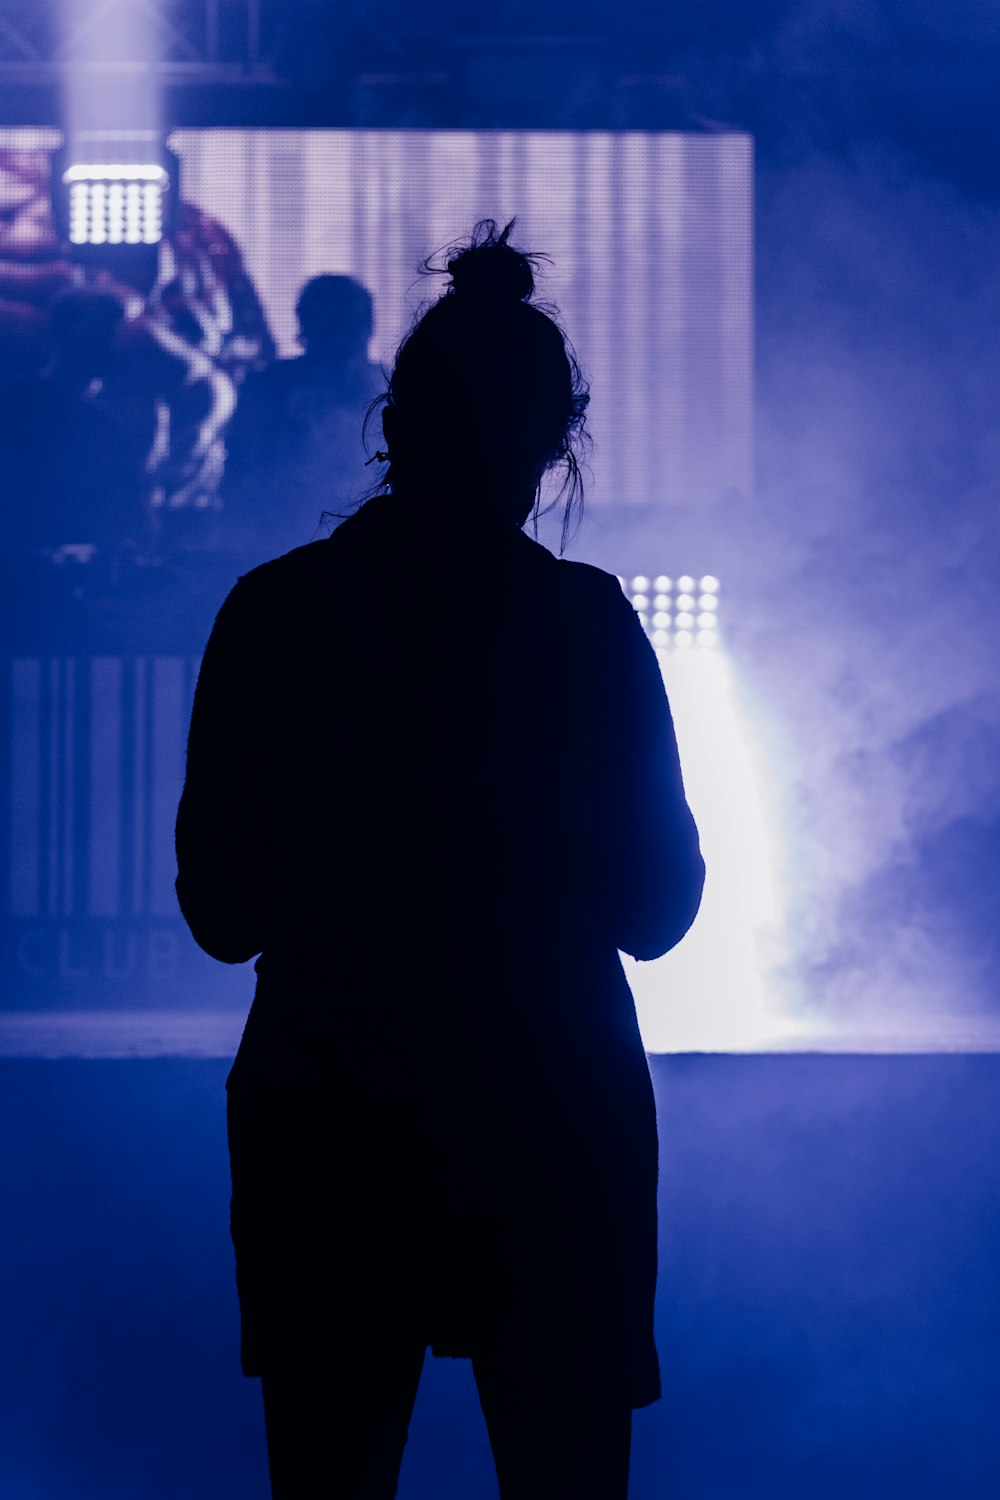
(651, 243)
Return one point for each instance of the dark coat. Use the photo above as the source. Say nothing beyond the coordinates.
(432, 780)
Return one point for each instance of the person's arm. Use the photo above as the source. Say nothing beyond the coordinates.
(223, 863)
(653, 869)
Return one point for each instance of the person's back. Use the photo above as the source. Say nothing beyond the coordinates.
(495, 653)
(432, 781)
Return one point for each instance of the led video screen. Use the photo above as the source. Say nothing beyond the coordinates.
(649, 245)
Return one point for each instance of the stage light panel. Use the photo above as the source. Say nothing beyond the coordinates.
(687, 619)
(116, 203)
(114, 196)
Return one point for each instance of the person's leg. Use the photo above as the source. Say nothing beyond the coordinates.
(555, 1439)
(339, 1434)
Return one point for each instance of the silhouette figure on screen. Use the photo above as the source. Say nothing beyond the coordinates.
(294, 444)
(73, 471)
(433, 782)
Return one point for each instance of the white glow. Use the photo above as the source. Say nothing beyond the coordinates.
(707, 638)
(640, 601)
(707, 622)
(683, 638)
(660, 637)
(664, 584)
(106, 211)
(95, 172)
(661, 620)
(708, 601)
(709, 585)
(685, 601)
(717, 990)
(685, 584)
(662, 601)
(640, 584)
(685, 621)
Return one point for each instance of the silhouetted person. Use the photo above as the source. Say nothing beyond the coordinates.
(72, 471)
(433, 782)
(294, 444)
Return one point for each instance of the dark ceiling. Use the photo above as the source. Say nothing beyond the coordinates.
(800, 75)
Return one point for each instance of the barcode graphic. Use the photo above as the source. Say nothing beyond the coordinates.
(96, 764)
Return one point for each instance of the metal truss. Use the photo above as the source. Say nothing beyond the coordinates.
(193, 41)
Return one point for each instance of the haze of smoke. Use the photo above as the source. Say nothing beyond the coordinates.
(860, 597)
(868, 565)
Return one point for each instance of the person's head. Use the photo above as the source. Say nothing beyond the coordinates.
(486, 394)
(335, 317)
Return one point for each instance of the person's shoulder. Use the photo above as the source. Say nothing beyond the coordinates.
(271, 584)
(586, 575)
(271, 381)
(287, 571)
(591, 584)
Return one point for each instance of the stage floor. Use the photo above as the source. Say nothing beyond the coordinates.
(828, 1311)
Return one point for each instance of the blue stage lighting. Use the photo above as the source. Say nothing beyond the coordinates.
(675, 620)
(114, 195)
(116, 203)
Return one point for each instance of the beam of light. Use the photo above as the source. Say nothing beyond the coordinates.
(109, 50)
(720, 988)
(115, 191)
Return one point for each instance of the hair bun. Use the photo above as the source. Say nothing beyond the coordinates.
(489, 270)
